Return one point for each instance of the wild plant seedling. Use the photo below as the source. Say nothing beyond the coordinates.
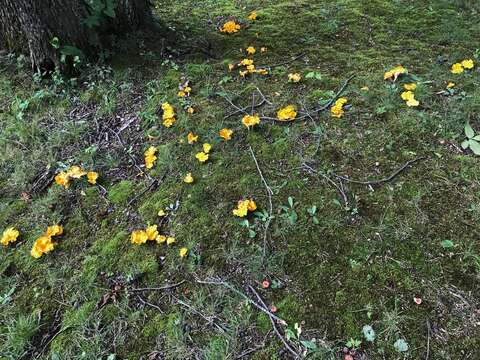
(473, 141)
(288, 212)
(312, 211)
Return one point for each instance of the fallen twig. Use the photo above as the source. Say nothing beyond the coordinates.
(159, 288)
(206, 318)
(248, 352)
(230, 287)
(308, 114)
(51, 339)
(331, 182)
(145, 302)
(428, 340)
(153, 184)
(245, 109)
(384, 180)
(283, 63)
(274, 325)
(330, 102)
(269, 192)
(128, 153)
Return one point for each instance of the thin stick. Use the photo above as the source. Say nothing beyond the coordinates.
(248, 352)
(136, 197)
(331, 101)
(244, 109)
(279, 335)
(159, 288)
(384, 180)
(320, 109)
(330, 181)
(230, 287)
(428, 340)
(227, 99)
(269, 192)
(264, 99)
(283, 63)
(51, 339)
(195, 311)
(145, 302)
(129, 155)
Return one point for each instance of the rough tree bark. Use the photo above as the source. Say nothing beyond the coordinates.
(30, 26)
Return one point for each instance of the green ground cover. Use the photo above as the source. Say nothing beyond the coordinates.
(341, 258)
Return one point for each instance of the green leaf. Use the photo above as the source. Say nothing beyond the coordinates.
(293, 218)
(474, 146)
(369, 333)
(290, 334)
(447, 244)
(312, 210)
(310, 345)
(315, 220)
(476, 138)
(290, 201)
(336, 202)
(401, 345)
(55, 42)
(465, 144)
(469, 131)
(110, 9)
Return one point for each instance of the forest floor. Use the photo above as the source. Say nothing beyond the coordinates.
(386, 266)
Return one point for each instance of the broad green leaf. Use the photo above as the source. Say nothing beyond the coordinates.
(469, 131)
(465, 144)
(290, 201)
(310, 345)
(290, 334)
(474, 146)
(447, 244)
(476, 138)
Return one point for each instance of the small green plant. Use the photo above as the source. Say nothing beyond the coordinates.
(288, 212)
(447, 244)
(19, 333)
(473, 141)
(353, 343)
(251, 232)
(315, 75)
(312, 211)
(295, 337)
(225, 79)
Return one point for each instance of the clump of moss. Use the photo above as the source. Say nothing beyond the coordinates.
(121, 192)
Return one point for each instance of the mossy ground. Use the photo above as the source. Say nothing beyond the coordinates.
(360, 265)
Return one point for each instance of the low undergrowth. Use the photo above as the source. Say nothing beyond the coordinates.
(362, 256)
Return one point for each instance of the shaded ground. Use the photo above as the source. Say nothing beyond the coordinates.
(372, 250)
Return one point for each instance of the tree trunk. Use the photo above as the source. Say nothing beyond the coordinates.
(30, 25)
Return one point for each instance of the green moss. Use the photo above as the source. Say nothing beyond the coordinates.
(357, 266)
(121, 192)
